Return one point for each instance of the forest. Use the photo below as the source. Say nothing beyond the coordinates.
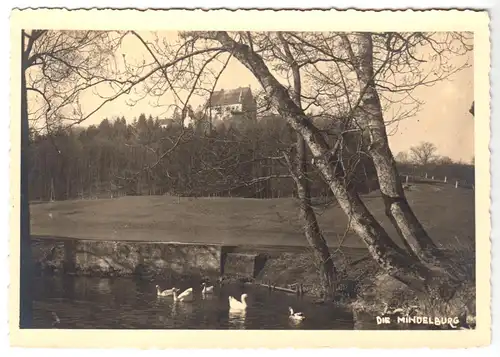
(144, 157)
(118, 158)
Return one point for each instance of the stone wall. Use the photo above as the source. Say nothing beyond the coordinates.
(111, 258)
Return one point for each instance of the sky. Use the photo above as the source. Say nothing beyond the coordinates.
(443, 119)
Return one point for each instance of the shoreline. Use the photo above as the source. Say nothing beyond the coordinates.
(362, 287)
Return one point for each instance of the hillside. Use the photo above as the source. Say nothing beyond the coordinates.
(447, 213)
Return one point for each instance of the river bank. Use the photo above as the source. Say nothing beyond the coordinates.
(362, 287)
(369, 292)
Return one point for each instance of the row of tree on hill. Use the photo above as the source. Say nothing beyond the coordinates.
(143, 157)
(426, 153)
(114, 159)
(424, 160)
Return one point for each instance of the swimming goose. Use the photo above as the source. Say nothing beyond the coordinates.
(167, 292)
(238, 305)
(298, 316)
(207, 289)
(187, 295)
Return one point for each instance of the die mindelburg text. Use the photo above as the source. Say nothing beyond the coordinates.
(418, 320)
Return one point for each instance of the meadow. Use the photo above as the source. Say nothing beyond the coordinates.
(446, 212)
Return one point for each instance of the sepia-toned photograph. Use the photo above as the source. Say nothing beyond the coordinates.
(260, 179)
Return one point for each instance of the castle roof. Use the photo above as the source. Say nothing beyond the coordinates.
(229, 97)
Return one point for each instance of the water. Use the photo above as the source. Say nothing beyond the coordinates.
(122, 303)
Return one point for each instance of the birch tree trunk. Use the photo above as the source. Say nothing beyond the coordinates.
(370, 117)
(391, 258)
(324, 261)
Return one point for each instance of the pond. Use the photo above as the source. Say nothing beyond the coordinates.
(123, 303)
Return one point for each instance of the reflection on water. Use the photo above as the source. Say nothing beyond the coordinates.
(121, 303)
(181, 308)
(237, 319)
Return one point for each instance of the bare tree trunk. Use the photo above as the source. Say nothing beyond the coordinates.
(52, 190)
(391, 258)
(370, 117)
(26, 264)
(68, 184)
(322, 255)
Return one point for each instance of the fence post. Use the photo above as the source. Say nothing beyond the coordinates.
(445, 179)
(406, 178)
(432, 178)
(426, 175)
(456, 184)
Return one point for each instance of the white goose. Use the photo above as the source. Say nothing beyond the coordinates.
(167, 292)
(297, 316)
(236, 305)
(207, 289)
(186, 296)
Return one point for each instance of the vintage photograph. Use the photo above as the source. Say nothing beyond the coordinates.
(257, 180)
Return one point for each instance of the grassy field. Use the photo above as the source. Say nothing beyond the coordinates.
(446, 212)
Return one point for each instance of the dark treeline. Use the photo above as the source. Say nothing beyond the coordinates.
(117, 158)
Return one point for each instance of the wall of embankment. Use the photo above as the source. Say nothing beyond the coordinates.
(141, 258)
(125, 258)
